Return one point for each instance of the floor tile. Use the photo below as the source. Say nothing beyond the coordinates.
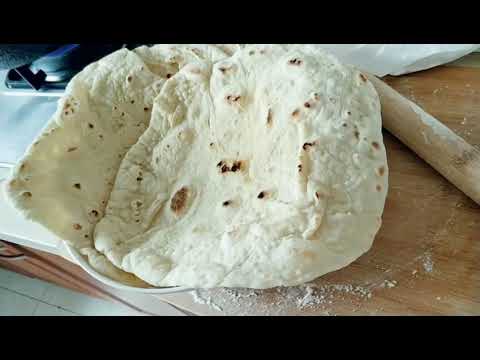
(83, 304)
(13, 304)
(22, 284)
(50, 310)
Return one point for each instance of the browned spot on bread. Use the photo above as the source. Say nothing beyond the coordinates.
(237, 165)
(296, 112)
(318, 195)
(169, 76)
(295, 61)
(261, 195)
(226, 203)
(90, 125)
(94, 213)
(299, 167)
(363, 77)
(211, 144)
(379, 187)
(77, 186)
(77, 226)
(269, 117)
(139, 178)
(307, 105)
(70, 149)
(129, 78)
(132, 101)
(86, 236)
(376, 145)
(220, 164)
(27, 194)
(179, 200)
(146, 108)
(225, 168)
(381, 170)
(233, 98)
(307, 145)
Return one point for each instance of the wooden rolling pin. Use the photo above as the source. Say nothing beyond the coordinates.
(448, 153)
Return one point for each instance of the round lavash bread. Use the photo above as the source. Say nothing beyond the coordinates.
(64, 180)
(266, 169)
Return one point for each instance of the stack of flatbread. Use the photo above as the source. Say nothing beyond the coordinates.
(211, 165)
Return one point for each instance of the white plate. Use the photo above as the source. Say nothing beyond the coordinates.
(82, 261)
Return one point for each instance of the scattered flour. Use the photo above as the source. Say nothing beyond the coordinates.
(427, 262)
(200, 299)
(389, 283)
(281, 300)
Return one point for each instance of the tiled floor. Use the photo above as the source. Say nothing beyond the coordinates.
(21, 295)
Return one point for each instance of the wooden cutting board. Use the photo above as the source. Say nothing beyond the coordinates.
(426, 258)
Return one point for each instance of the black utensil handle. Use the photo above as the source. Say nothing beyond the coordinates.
(16, 55)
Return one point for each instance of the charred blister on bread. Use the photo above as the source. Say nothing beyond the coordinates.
(232, 99)
(179, 200)
(269, 117)
(295, 61)
(308, 145)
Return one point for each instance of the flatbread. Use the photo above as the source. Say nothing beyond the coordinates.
(64, 180)
(263, 169)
